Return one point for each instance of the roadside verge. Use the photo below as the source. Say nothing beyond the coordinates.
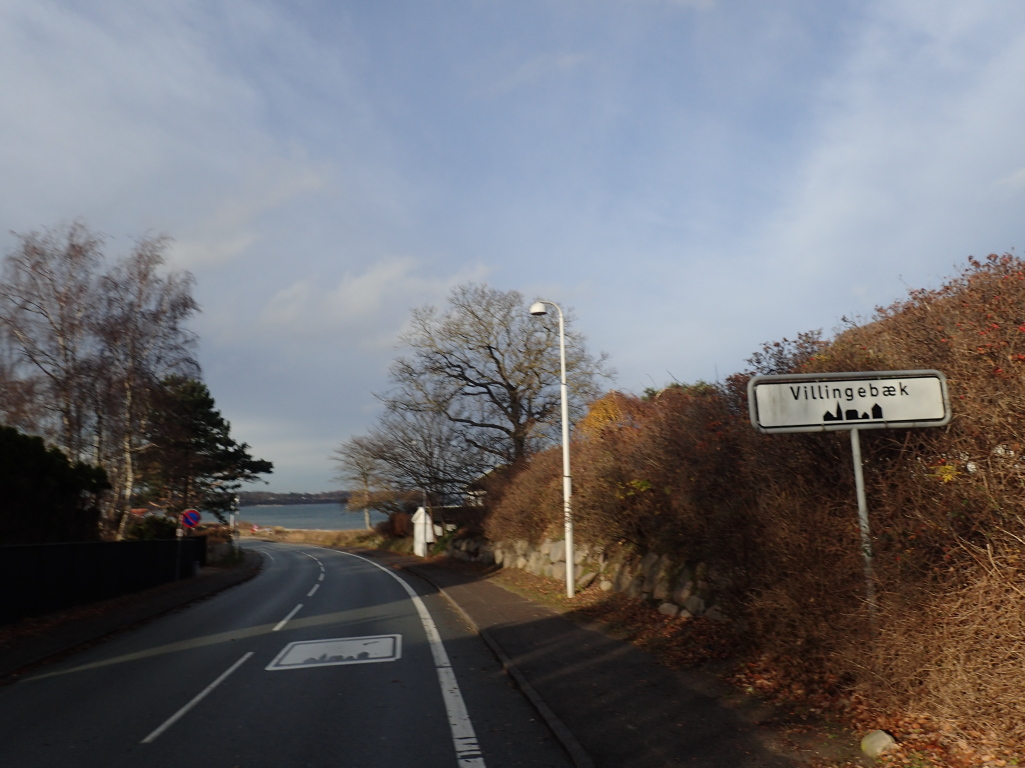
(30, 642)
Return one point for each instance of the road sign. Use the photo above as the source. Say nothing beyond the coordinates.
(824, 402)
(190, 518)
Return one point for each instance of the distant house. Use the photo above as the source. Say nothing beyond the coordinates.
(456, 517)
(475, 494)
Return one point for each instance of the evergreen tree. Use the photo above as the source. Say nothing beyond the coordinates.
(192, 460)
(46, 497)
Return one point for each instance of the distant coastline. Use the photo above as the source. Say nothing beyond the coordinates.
(327, 516)
(268, 499)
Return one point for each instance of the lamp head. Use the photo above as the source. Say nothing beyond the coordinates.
(538, 308)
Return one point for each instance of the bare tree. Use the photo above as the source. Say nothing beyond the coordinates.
(492, 370)
(361, 468)
(19, 403)
(424, 451)
(478, 389)
(84, 347)
(48, 299)
(143, 340)
(408, 456)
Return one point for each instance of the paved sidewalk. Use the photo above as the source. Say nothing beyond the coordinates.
(610, 703)
(31, 642)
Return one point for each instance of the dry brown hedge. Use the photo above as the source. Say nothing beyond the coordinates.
(775, 516)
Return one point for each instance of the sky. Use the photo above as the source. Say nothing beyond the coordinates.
(692, 178)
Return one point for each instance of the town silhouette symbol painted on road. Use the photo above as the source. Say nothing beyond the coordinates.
(852, 414)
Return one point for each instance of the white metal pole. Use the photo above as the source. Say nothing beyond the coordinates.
(538, 308)
(866, 534)
(567, 481)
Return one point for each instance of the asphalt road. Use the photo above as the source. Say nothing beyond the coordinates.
(324, 659)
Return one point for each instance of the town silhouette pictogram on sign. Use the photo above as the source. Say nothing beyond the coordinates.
(852, 414)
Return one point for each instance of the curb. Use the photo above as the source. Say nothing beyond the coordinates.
(558, 728)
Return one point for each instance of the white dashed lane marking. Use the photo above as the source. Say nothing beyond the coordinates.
(202, 695)
(285, 620)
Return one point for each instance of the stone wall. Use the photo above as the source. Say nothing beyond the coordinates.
(677, 588)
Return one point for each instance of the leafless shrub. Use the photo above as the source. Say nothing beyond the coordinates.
(958, 655)
(532, 502)
(775, 516)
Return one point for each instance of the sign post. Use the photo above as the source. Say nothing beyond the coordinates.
(187, 519)
(830, 402)
(866, 532)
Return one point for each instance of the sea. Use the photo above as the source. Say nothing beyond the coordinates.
(324, 517)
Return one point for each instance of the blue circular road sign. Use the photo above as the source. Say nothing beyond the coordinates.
(190, 518)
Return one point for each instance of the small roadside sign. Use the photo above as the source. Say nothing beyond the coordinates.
(190, 518)
(825, 402)
(830, 402)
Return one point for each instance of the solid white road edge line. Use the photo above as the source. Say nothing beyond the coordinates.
(463, 736)
(202, 695)
(285, 620)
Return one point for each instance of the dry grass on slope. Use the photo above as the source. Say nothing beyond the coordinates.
(948, 737)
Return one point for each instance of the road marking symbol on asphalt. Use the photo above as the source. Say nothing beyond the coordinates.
(338, 651)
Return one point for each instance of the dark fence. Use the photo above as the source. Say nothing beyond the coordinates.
(39, 578)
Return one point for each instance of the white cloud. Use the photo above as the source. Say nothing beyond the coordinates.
(1015, 180)
(289, 306)
(365, 309)
(729, 173)
(234, 225)
(536, 69)
(368, 293)
(99, 105)
(913, 135)
(301, 460)
(701, 5)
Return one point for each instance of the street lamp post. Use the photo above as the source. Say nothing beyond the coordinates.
(538, 308)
